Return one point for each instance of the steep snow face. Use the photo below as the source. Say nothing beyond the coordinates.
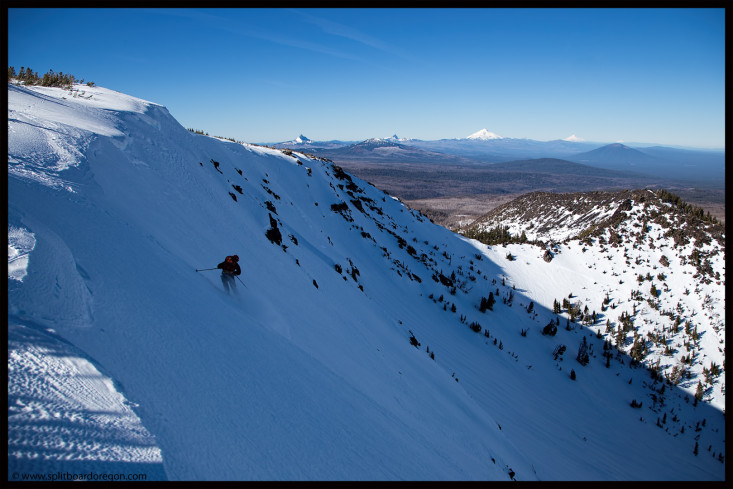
(483, 134)
(307, 373)
(352, 348)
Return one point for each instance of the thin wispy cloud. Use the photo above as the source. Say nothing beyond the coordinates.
(348, 32)
(227, 24)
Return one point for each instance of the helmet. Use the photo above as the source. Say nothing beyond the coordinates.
(235, 257)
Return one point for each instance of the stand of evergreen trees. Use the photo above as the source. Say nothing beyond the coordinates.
(27, 76)
(497, 235)
(689, 209)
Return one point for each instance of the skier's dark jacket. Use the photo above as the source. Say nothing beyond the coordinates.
(230, 267)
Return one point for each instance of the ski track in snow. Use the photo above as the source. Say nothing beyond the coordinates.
(65, 416)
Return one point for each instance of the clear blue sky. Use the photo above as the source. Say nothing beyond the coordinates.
(268, 75)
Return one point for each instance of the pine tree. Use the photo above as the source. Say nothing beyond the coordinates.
(487, 303)
(700, 391)
(583, 357)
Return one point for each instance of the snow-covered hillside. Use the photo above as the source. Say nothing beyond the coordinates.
(653, 275)
(353, 349)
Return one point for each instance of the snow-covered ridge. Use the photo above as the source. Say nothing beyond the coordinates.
(633, 241)
(551, 217)
(354, 347)
(50, 128)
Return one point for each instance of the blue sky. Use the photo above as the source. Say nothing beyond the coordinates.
(268, 75)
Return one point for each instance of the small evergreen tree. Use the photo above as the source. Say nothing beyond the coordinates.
(583, 357)
(700, 391)
(487, 303)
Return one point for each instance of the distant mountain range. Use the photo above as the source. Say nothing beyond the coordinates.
(484, 147)
(693, 165)
(388, 150)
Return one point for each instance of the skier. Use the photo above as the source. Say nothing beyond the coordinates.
(229, 268)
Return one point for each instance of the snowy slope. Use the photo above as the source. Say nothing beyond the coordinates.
(66, 413)
(320, 366)
(630, 241)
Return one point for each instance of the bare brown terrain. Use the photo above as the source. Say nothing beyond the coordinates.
(458, 211)
(454, 196)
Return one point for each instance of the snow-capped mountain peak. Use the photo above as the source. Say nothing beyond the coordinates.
(485, 135)
(302, 140)
(573, 138)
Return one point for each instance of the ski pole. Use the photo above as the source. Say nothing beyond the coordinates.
(245, 285)
(202, 269)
